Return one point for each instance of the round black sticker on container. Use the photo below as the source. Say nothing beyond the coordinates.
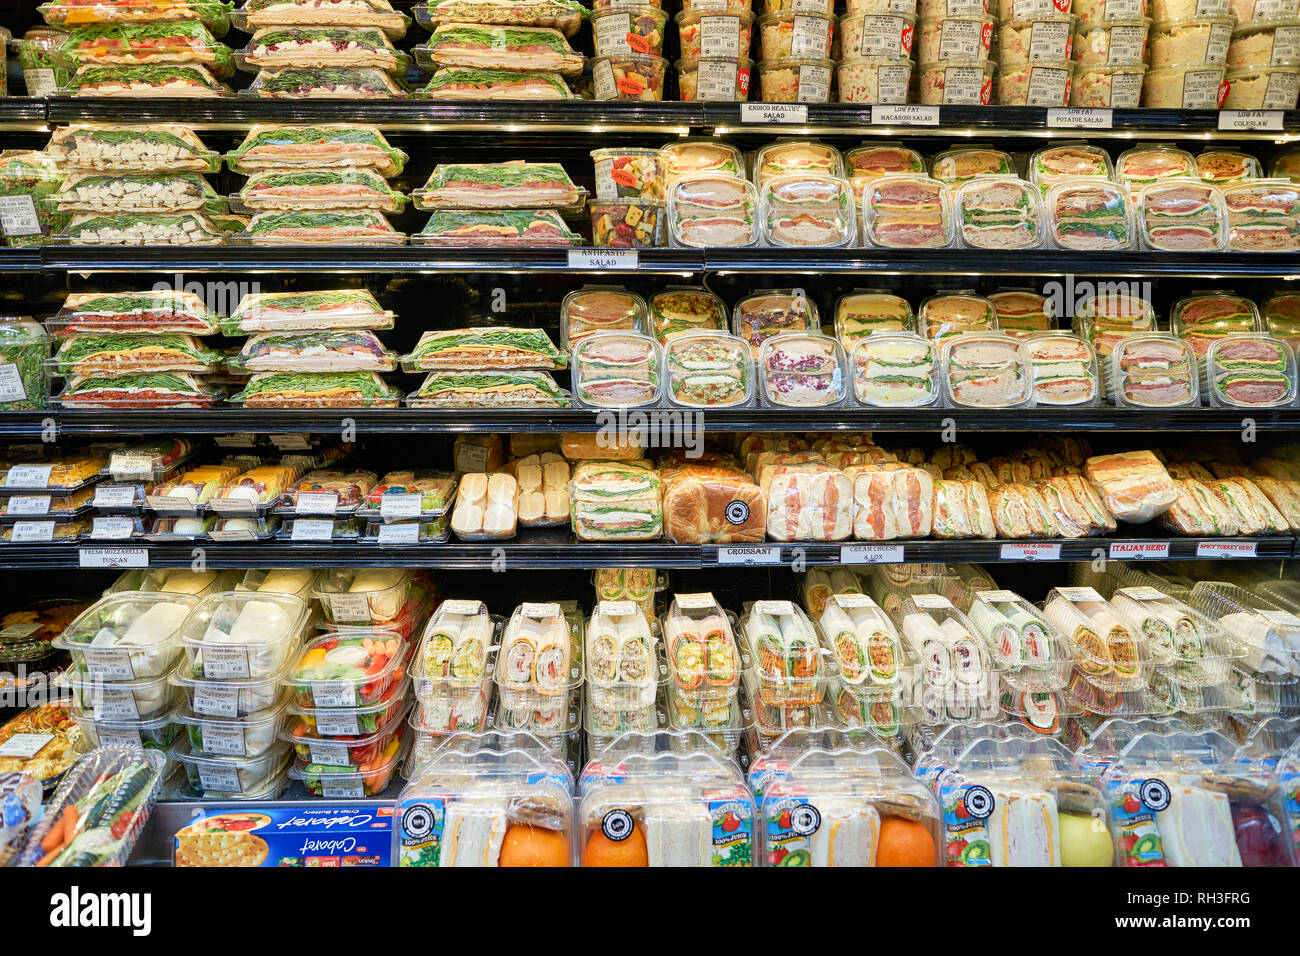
(1155, 794)
(979, 802)
(804, 820)
(417, 821)
(737, 511)
(617, 825)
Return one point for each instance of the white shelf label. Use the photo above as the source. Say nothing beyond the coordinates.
(317, 503)
(399, 506)
(32, 531)
(1074, 117)
(1226, 549)
(227, 741)
(1074, 595)
(312, 529)
(1030, 552)
(898, 114)
(29, 476)
(291, 441)
(788, 113)
(399, 534)
(216, 700)
(1139, 550)
(871, 554)
(113, 558)
(116, 496)
(112, 527)
(997, 597)
(108, 663)
(225, 662)
(114, 703)
(701, 601)
(1244, 121)
(605, 260)
(348, 788)
(742, 555)
(29, 505)
(24, 746)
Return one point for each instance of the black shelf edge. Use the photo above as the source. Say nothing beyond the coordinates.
(556, 551)
(407, 259)
(414, 114)
(23, 113)
(665, 422)
(21, 259)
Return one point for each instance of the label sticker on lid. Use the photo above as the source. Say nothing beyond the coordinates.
(216, 700)
(701, 601)
(1143, 593)
(215, 776)
(28, 505)
(1076, 594)
(108, 663)
(18, 216)
(349, 608)
(399, 506)
(32, 531)
(774, 608)
(312, 529)
(118, 496)
(125, 466)
(112, 527)
(619, 608)
(408, 533)
(24, 746)
(225, 661)
(340, 722)
(316, 503)
(461, 607)
(228, 741)
(11, 384)
(114, 703)
(332, 693)
(997, 597)
(29, 476)
(329, 754)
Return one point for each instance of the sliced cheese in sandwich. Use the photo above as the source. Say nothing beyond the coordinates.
(472, 833)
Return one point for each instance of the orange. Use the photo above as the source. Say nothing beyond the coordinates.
(904, 843)
(602, 851)
(526, 845)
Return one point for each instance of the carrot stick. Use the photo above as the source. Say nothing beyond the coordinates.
(54, 839)
(69, 823)
(48, 858)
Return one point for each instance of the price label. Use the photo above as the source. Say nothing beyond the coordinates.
(1245, 121)
(169, 504)
(399, 506)
(349, 608)
(108, 663)
(24, 746)
(871, 554)
(997, 597)
(332, 693)
(316, 503)
(768, 113)
(227, 741)
(897, 114)
(347, 787)
(215, 776)
(604, 260)
(118, 736)
(11, 384)
(1031, 552)
(29, 476)
(112, 527)
(236, 440)
(231, 535)
(29, 505)
(18, 216)
(852, 600)
(618, 608)
(216, 700)
(16, 632)
(399, 534)
(931, 602)
(114, 703)
(1074, 595)
(32, 531)
(752, 556)
(1143, 593)
(774, 608)
(117, 496)
(234, 506)
(331, 755)
(1073, 117)
(113, 558)
(539, 612)
(1283, 618)
(312, 529)
(460, 607)
(1226, 549)
(225, 662)
(701, 601)
(290, 441)
(335, 723)
(124, 466)
(1139, 550)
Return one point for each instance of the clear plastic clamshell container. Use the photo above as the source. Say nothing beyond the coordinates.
(945, 314)
(999, 212)
(1269, 634)
(864, 651)
(621, 659)
(986, 370)
(712, 209)
(895, 370)
(346, 752)
(352, 721)
(1028, 651)
(1153, 371)
(907, 212)
(299, 582)
(1182, 216)
(1250, 371)
(346, 669)
(127, 636)
(599, 308)
(1086, 213)
(537, 664)
(708, 369)
(363, 595)
(456, 655)
(1261, 214)
(703, 660)
(242, 635)
(864, 312)
(1111, 653)
(788, 157)
(617, 370)
(769, 312)
(508, 804)
(139, 699)
(236, 777)
(345, 782)
(1204, 318)
(807, 209)
(801, 370)
(249, 736)
(782, 649)
(1063, 368)
(956, 680)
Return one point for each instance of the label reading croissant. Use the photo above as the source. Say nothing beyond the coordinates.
(734, 555)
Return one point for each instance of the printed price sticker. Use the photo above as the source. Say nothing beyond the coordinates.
(290, 441)
(24, 745)
(1074, 594)
(619, 608)
(32, 531)
(1144, 593)
(233, 506)
(11, 384)
(1031, 552)
(349, 787)
(114, 703)
(118, 736)
(29, 476)
(219, 777)
(1284, 618)
(349, 608)
(897, 114)
(780, 113)
(603, 260)
(337, 722)
(124, 466)
(116, 496)
(701, 601)
(231, 535)
(739, 555)
(332, 693)
(931, 602)
(108, 663)
(225, 662)
(29, 505)
(399, 534)
(227, 741)
(317, 503)
(539, 611)
(871, 554)
(113, 558)
(331, 755)
(1077, 117)
(852, 600)
(399, 506)
(312, 529)
(774, 608)
(997, 597)
(460, 606)
(112, 527)
(18, 216)
(216, 700)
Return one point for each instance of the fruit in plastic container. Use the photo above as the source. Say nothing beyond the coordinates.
(1258, 836)
(904, 843)
(527, 845)
(602, 851)
(1085, 841)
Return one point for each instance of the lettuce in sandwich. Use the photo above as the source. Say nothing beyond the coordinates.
(274, 147)
(460, 83)
(489, 390)
(128, 44)
(318, 390)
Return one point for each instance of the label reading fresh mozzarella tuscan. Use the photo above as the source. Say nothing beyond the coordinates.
(113, 558)
(881, 35)
(719, 36)
(1127, 45)
(1050, 40)
(398, 533)
(11, 384)
(115, 496)
(1201, 89)
(715, 80)
(961, 40)
(226, 741)
(112, 527)
(810, 37)
(32, 531)
(225, 661)
(124, 466)
(29, 505)
(1048, 86)
(29, 476)
(18, 216)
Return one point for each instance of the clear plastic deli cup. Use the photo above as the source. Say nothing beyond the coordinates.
(1119, 87)
(944, 8)
(1036, 41)
(629, 173)
(725, 34)
(1117, 43)
(796, 33)
(1198, 40)
(714, 79)
(1275, 42)
(1247, 10)
(1195, 87)
(792, 79)
(629, 29)
(711, 6)
(871, 35)
(1263, 88)
(629, 76)
(1162, 10)
(1029, 9)
(1105, 11)
(951, 83)
(874, 80)
(1035, 84)
(963, 39)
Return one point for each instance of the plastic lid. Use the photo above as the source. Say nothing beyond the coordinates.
(600, 308)
(363, 596)
(801, 370)
(128, 635)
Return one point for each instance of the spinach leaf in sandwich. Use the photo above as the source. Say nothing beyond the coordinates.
(498, 38)
(271, 222)
(488, 78)
(313, 383)
(177, 384)
(489, 381)
(326, 178)
(361, 36)
(295, 80)
(516, 221)
(500, 174)
(136, 302)
(532, 341)
(153, 75)
(82, 347)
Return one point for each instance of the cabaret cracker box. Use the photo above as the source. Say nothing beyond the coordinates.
(286, 836)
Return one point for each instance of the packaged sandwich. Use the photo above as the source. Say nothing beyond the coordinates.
(242, 635)
(805, 209)
(462, 83)
(712, 209)
(961, 509)
(785, 654)
(1250, 371)
(1068, 161)
(255, 15)
(317, 390)
(478, 46)
(485, 348)
(453, 666)
(947, 314)
(1223, 167)
(365, 82)
(162, 147)
(509, 185)
(1023, 312)
(998, 212)
(787, 157)
(808, 502)
(864, 164)
(334, 189)
(363, 596)
(1262, 216)
(596, 308)
(907, 212)
(214, 15)
(333, 351)
(617, 369)
(486, 507)
(1063, 369)
(692, 155)
(1182, 216)
(315, 147)
(322, 47)
(766, 313)
(322, 228)
(505, 227)
(1153, 371)
(1281, 313)
(123, 354)
(1134, 486)
(895, 370)
(958, 164)
(1144, 165)
(543, 489)
(327, 492)
(1026, 649)
(135, 229)
(136, 193)
(802, 369)
(890, 505)
(536, 664)
(127, 636)
(150, 390)
(615, 501)
(861, 313)
(488, 389)
(708, 370)
(682, 309)
(563, 15)
(307, 312)
(621, 659)
(138, 312)
(122, 44)
(956, 681)
(1204, 318)
(1086, 214)
(705, 504)
(703, 661)
(184, 80)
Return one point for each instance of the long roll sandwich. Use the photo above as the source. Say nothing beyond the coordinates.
(329, 228)
(316, 147)
(142, 312)
(333, 189)
(322, 47)
(307, 312)
(148, 44)
(185, 80)
(144, 229)
(330, 351)
(863, 641)
(131, 354)
(214, 14)
(523, 49)
(460, 83)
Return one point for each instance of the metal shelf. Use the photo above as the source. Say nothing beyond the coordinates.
(23, 113)
(87, 424)
(556, 550)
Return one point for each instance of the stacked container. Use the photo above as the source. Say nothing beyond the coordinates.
(704, 669)
(452, 673)
(715, 46)
(539, 677)
(877, 51)
(625, 672)
(1264, 63)
(1110, 57)
(131, 473)
(628, 208)
(798, 46)
(1188, 51)
(954, 50)
(1035, 41)
(629, 42)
